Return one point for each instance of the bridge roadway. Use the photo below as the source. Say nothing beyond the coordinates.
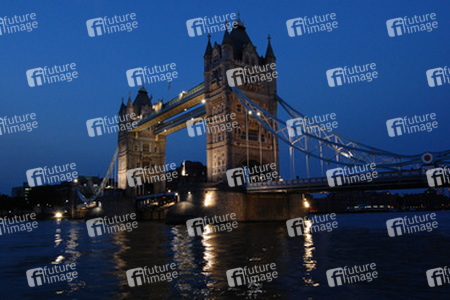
(411, 179)
(176, 106)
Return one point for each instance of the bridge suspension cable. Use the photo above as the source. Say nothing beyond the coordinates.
(317, 142)
(98, 192)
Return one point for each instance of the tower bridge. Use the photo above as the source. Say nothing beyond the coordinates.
(255, 141)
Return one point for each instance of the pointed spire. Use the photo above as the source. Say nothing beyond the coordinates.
(269, 51)
(122, 106)
(130, 107)
(208, 47)
(130, 103)
(227, 37)
(239, 22)
(142, 90)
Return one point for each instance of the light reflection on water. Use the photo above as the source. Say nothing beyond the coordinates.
(67, 247)
(308, 258)
(209, 256)
(203, 261)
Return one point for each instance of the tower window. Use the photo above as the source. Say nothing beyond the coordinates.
(253, 135)
(243, 136)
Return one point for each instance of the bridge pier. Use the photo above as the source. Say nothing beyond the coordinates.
(210, 201)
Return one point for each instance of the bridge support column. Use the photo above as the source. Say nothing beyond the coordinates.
(246, 206)
(140, 153)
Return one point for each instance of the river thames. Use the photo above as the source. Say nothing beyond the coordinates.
(202, 262)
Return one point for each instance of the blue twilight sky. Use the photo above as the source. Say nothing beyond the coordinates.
(161, 37)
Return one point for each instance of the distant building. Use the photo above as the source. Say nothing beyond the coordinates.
(339, 202)
(21, 191)
(189, 173)
(88, 185)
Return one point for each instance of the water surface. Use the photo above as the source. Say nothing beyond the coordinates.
(301, 261)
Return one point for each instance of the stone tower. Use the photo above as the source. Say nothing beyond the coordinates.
(250, 144)
(141, 149)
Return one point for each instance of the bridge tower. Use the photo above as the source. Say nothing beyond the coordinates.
(249, 144)
(139, 149)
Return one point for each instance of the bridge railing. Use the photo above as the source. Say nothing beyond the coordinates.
(174, 102)
(166, 125)
(192, 91)
(321, 180)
